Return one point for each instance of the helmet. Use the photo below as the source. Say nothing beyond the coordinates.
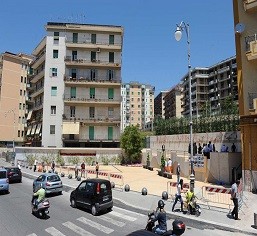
(161, 204)
(178, 227)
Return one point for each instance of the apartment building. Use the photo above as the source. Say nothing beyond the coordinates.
(209, 87)
(159, 104)
(13, 97)
(245, 18)
(77, 86)
(137, 107)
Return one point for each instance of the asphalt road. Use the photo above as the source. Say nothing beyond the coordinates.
(17, 220)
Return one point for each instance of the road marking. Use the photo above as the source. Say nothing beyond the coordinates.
(132, 212)
(95, 225)
(110, 220)
(32, 235)
(77, 229)
(125, 217)
(53, 231)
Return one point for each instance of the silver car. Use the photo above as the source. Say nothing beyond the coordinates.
(50, 182)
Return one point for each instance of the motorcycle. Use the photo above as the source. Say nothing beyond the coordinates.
(195, 208)
(42, 209)
(178, 226)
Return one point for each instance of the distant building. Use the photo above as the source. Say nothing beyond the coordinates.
(159, 104)
(13, 97)
(137, 106)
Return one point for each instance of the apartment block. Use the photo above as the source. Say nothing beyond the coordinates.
(245, 18)
(137, 107)
(77, 86)
(159, 105)
(13, 97)
(210, 85)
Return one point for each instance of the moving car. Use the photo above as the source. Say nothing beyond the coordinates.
(51, 182)
(4, 181)
(14, 174)
(93, 194)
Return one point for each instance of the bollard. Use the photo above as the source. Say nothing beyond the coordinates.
(70, 176)
(164, 195)
(112, 185)
(144, 191)
(62, 174)
(255, 220)
(78, 178)
(126, 188)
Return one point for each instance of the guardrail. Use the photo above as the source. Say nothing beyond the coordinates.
(172, 188)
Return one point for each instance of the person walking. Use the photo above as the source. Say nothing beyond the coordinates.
(234, 198)
(76, 169)
(35, 165)
(83, 169)
(169, 165)
(233, 148)
(96, 169)
(53, 167)
(200, 149)
(178, 173)
(178, 195)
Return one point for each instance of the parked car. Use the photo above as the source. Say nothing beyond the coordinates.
(14, 174)
(4, 181)
(93, 194)
(51, 182)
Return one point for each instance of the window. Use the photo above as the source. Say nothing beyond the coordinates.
(110, 112)
(53, 72)
(110, 74)
(92, 93)
(93, 74)
(111, 39)
(52, 129)
(22, 133)
(74, 55)
(111, 57)
(25, 80)
(54, 91)
(53, 110)
(93, 56)
(21, 79)
(56, 37)
(91, 112)
(72, 111)
(20, 92)
(55, 53)
(75, 37)
(74, 73)
(110, 93)
(73, 92)
(19, 133)
(93, 38)
(138, 93)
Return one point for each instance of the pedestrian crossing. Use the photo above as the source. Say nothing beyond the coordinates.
(88, 226)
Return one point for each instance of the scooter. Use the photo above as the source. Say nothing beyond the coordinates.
(42, 209)
(178, 226)
(195, 208)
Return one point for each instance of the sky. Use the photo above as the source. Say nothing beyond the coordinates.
(151, 55)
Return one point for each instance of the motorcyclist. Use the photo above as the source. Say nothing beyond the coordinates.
(189, 200)
(40, 194)
(160, 216)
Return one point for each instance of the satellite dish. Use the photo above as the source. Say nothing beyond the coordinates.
(240, 27)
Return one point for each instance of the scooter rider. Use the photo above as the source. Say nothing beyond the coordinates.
(40, 194)
(189, 197)
(160, 216)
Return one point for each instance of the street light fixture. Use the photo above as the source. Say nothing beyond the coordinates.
(178, 35)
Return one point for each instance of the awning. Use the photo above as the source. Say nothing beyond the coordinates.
(29, 130)
(33, 130)
(38, 128)
(29, 115)
(70, 128)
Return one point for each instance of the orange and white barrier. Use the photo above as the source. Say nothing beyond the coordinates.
(172, 187)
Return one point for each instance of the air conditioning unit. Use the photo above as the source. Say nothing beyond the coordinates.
(98, 50)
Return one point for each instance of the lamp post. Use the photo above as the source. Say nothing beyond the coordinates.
(13, 143)
(178, 35)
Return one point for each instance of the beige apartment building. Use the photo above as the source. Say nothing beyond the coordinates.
(245, 20)
(159, 108)
(77, 86)
(137, 107)
(13, 97)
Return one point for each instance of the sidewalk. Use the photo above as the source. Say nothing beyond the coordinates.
(138, 178)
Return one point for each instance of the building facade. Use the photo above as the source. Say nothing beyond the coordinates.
(159, 105)
(77, 80)
(13, 97)
(137, 107)
(245, 18)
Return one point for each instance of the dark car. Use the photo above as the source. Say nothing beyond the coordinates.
(93, 194)
(51, 182)
(14, 174)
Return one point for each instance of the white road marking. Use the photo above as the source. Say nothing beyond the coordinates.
(32, 234)
(132, 212)
(53, 231)
(125, 217)
(112, 221)
(77, 229)
(95, 225)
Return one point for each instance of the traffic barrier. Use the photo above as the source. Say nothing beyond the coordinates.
(216, 195)
(172, 187)
(118, 177)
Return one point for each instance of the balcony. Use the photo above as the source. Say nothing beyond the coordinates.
(96, 121)
(251, 47)
(250, 5)
(84, 81)
(97, 101)
(37, 92)
(37, 77)
(82, 62)
(39, 61)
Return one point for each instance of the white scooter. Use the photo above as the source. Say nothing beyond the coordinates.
(42, 209)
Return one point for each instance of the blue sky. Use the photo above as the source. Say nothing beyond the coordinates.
(150, 53)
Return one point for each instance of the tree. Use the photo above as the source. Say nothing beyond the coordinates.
(132, 143)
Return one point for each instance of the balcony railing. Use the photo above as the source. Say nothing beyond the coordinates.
(70, 40)
(87, 99)
(81, 79)
(248, 40)
(250, 5)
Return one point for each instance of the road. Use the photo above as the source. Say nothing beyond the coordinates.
(17, 220)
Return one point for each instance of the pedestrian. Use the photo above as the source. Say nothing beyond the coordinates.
(96, 169)
(206, 151)
(210, 146)
(53, 166)
(76, 170)
(178, 195)
(178, 173)
(169, 165)
(200, 149)
(194, 149)
(19, 166)
(43, 166)
(35, 165)
(83, 169)
(223, 148)
(234, 198)
(233, 148)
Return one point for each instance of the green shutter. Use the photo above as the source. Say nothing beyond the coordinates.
(91, 132)
(92, 93)
(110, 93)
(73, 92)
(110, 133)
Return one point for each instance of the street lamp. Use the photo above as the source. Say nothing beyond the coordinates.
(178, 35)
(13, 146)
